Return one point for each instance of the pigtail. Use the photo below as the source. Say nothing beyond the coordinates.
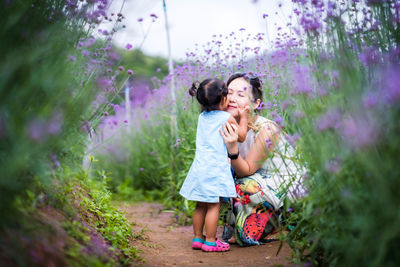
(193, 90)
(223, 90)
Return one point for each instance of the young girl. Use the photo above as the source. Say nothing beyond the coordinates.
(210, 177)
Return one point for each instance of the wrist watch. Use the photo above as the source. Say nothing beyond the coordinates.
(233, 156)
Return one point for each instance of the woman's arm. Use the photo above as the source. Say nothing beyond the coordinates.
(266, 140)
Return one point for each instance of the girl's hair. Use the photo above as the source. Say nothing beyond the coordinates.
(254, 81)
(209, 93)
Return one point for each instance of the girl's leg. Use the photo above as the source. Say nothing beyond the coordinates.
(212, 221)
(198, 219)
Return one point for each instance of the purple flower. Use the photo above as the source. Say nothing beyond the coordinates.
(261, 106)
(72, 57)
(104, 83)
(265, 16)
(116, 108)
(390, 88)
(371, 100)
(121, 68)
(360, 131)
(154, 16)
(329, 120)
(285, 103)
(130, 72)
(269, 142)
(114, 56)
(86, 127)
(140, 19)
(278, 119)
(369, 56)
(90, 42)
(128, 46)
(86, 53)
(310, 24)
(108, 47)
(317, 3)
(292, 139)
(302, 81)
(141, 169)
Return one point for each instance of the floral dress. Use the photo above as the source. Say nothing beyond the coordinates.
(262, 193)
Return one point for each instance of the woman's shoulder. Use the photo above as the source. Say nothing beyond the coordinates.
(264, 124)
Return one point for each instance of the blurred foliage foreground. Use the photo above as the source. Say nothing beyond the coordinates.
(52, 213)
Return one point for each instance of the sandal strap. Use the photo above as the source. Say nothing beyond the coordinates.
(198, 240)
(214, 244)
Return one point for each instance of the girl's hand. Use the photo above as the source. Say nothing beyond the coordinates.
(229, 133)
(244, 112)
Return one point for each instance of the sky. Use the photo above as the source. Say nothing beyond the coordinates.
(194, 22)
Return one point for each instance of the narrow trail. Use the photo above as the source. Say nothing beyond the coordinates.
(163, 243)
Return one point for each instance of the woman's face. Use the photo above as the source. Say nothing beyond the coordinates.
(239, 95)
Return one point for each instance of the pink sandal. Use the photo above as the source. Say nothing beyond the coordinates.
(197, 243)
(216, 246)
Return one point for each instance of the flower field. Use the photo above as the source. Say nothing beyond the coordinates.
(78, 128)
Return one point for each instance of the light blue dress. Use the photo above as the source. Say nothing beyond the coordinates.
(210, 176)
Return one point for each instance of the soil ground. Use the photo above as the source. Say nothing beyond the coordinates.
(163, 243)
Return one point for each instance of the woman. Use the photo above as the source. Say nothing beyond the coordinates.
(264, 164)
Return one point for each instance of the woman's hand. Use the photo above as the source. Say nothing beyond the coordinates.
(229, 133)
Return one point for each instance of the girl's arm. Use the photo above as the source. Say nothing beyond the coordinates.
(242, 126)
(266, 140)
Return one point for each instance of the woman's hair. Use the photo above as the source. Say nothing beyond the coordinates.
(209, 93)
(254, 81)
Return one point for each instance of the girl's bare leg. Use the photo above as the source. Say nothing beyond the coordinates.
(198, 219)
(211, 221)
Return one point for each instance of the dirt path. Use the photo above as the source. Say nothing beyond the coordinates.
(165, 244)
